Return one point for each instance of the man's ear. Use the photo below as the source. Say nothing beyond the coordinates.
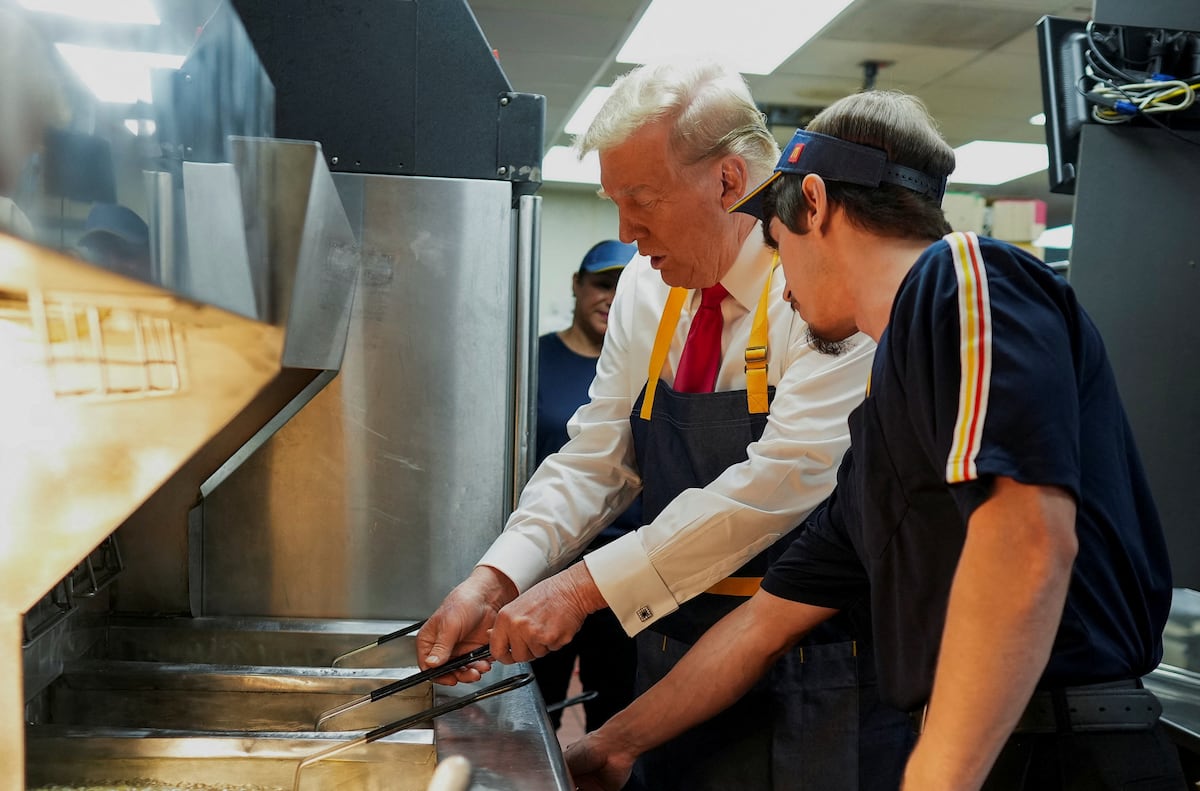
(816, 200)
(735, 178)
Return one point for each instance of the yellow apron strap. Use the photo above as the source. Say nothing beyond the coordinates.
(662, 343)
(736, 586)
(756, 352)
(756, 349)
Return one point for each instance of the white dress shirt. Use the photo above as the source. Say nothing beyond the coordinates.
(703, 535)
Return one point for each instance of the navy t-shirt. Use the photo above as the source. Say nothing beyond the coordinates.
(564, 378)
(988, 366)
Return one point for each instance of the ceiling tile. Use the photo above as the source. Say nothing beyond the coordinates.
(973, 62)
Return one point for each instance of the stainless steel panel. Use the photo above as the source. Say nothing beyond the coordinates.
(302, 251)
(379, 495)
(529, 235)
(252, 641)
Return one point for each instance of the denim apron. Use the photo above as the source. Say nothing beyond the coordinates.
(803, 725)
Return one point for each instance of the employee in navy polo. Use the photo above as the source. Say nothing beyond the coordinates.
(992, 506)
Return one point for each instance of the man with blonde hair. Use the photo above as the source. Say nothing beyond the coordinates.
(710, 400)
(992, 506)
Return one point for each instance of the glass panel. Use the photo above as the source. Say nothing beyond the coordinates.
(1181, 637)
(109, 110)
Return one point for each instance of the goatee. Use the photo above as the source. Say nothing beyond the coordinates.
(826, 346)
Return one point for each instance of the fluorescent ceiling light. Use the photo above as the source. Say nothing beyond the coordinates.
(990, 162)
(1058, 238)
(140, 126)
(562, 164)
(1038, 120)
(752, 36)
(582, 118)
(116, 75)
(131, 12)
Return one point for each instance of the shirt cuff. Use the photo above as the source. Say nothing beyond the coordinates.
(630, 584)
(518, 558)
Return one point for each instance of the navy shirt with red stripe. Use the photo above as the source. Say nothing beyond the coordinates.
(988, 366)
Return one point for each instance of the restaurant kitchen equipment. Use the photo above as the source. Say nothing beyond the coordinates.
(292, 423)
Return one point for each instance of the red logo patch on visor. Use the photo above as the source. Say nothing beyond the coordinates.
(794, 157)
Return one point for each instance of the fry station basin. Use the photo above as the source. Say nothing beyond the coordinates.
(233, 703)
(282, 642)
(204, 698)
(228, 763)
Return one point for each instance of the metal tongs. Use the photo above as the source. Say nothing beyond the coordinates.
(384, 731)
(386, 638)
(462, 660)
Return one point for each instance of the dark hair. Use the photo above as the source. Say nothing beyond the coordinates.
(898, 124)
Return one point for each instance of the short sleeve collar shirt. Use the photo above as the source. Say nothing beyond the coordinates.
(989, 367)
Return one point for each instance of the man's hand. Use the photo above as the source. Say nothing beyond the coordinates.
(545, 617)
(718, 670)
(462, 623)
(597, 763)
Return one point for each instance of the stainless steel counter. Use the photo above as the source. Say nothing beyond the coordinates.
(1176, 681)
(1179, 691)
(507, 739)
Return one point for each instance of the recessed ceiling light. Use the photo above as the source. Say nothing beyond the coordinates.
(114, 75)
(754, 38)
(991, 162)
(561, 163)
(582, 118)
(131, 12)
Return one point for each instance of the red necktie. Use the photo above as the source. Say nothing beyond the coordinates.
(701, 358)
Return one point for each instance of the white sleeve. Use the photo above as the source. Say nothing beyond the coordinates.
(576, 492)
(705, 534)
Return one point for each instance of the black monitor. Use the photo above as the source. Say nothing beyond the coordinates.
(1120, 56)
(1061, 47)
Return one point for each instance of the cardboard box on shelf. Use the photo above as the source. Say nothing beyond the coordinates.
(965, 211)
(1018, 220)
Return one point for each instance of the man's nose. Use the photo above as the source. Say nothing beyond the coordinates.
(628, 231)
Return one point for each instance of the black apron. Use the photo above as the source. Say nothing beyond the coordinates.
(806, 722)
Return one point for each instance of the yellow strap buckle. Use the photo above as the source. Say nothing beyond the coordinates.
(736, 586)
(756, 358)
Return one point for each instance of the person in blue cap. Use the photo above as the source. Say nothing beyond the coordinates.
(566, 367)
(992, 508)
(116, 238)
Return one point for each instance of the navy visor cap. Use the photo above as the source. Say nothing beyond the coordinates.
(834, 159)
(607, 255)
